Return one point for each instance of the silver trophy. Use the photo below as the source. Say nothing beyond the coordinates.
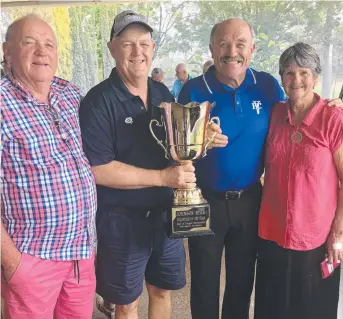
(185, 127)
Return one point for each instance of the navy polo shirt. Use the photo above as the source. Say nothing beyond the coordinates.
(115, 126)
(244, 114)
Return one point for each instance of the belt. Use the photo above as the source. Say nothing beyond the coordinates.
(230, 195)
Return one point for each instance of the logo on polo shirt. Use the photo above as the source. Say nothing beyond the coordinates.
(128, 120)
(256, 105)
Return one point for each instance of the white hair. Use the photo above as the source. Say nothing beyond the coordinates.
(183, 66)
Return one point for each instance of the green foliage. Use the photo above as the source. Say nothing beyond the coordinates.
(61, 21)
(84, 34)
(43, 12)
(182, 33)
(278, 24)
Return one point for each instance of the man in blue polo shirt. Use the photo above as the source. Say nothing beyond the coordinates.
(230, 174)
(133, 178)
(182, 77)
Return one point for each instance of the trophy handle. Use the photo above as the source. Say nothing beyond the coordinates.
(215, 119)
(154, 136)
(210, 139)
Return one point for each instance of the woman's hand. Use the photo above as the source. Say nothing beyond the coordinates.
(335, 242)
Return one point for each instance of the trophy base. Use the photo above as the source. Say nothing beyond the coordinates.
(189, 220)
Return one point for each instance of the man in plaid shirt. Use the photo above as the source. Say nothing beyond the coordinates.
(48, 198)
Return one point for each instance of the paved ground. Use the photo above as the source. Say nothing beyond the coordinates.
(180, 301)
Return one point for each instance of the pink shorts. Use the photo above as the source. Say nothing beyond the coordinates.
(46, 289)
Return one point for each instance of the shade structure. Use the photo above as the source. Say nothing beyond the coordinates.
(20, 3)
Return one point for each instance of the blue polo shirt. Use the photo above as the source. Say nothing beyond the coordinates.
(178, 86)
(244, 114)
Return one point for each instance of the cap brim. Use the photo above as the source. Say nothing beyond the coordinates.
(134, 22)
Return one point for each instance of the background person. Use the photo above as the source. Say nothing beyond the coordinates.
(207, 65)
(157, 74)
(182, 77)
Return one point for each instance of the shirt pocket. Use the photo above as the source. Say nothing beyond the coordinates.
(275, 153)
(33, 150)
(310, 159)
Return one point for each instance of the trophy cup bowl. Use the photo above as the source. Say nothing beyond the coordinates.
(185, 127)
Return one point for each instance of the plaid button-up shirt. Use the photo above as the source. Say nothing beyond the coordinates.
(48, 190)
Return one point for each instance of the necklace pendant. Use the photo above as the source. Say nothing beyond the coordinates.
(296, 137)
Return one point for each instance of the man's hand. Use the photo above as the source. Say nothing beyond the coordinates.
(215, 136)
(335, 102)
(335, 243)
(180, 176)
(11, 265)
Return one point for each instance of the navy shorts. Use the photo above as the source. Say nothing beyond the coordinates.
(132, 246)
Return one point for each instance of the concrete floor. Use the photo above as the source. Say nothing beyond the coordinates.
(180, 299)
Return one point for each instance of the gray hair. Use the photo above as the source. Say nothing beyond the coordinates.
(207, 64)
(303, 55)
(156, 71)
(183, 66)
(215, 27)
(9, 32)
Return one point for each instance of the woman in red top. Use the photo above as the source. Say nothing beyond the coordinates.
(301, 216)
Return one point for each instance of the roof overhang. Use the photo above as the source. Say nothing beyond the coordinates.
(21, 3)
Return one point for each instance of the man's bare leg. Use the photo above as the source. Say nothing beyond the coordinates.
(159, 303)
(129, 311)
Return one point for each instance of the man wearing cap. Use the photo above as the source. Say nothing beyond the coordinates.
(134, 179)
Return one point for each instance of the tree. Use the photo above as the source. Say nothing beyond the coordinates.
(182, 32)
(61, 22)
(278, 24)
(84, 38)
(324, 26)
